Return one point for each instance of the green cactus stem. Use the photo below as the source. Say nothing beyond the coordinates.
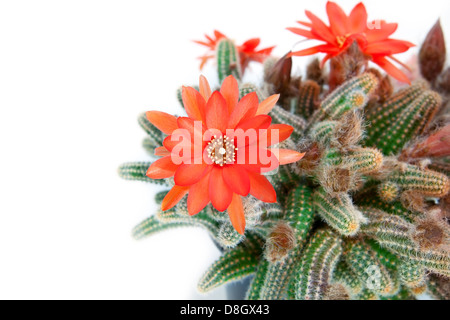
(318, 261)
(228, 62)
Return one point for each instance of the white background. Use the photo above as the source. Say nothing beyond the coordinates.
(74, 75)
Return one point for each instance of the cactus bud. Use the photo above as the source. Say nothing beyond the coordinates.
(432, 53)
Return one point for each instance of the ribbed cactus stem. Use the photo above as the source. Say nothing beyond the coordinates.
(152, 225)
(412, 274)
(423, 181)
(338, 211)
(393, 233)
(382, 117)
(318, 262)
(360, 160)
(234, 264)
(344, 275)
(247, 88)
(299, 215)
(410, 123)
(351, 95)
(387, 258)
(367, 294)
(371, 199)
(257, 284)
(228, 62)
(201, 220)
(307, 99)
(368, 268)
(279, 115)
(438, 287)
(323, 132)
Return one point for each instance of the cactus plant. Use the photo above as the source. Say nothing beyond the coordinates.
(363, 215)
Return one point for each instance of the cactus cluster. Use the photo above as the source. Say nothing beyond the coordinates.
(361, 216)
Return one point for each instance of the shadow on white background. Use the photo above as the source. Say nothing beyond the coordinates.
(74, 75)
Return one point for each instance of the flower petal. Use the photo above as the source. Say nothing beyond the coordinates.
(256, 159)
(196, 130)
(198, 196)
(251, 130)
(173, 197)
(358, 19)
(261, 188)
(250, 45)
(320, 29)
(262, 121)
(286, 156)
(219, 192)
(325, 48)
(267, 105)
(205, 90)
(162, 168)
(236, 177)
(217, 112)
(189, 174)
(236, 214)
(277, 132)
(303, 33)
(194, 103)
(230, 92)
(245, 109)
(392, 70)
(338, 19)
(163, 121)
(382, 33)
(387, 47)
(162, 152)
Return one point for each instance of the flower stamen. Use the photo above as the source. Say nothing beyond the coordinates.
(221, 150)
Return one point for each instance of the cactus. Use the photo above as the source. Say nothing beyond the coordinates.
(362, 202)
(393, 233)
(353, 94)
(423, 181)
(368, 268)
(318, 261)
(383, 116)
(345, 276)
(338, 212)
(299, 215)
(412, 274)
(410, 123)
(228, 60)
(234, 264)
(307, 99)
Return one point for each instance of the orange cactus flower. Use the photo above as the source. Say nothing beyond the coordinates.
(372, 38)
(247, 51)
(217, 154)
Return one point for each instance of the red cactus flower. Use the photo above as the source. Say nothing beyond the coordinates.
(215, 164)
(247, 51)
(372, 38)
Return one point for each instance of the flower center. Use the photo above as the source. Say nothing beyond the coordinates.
(221, 150)
(341, 40)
